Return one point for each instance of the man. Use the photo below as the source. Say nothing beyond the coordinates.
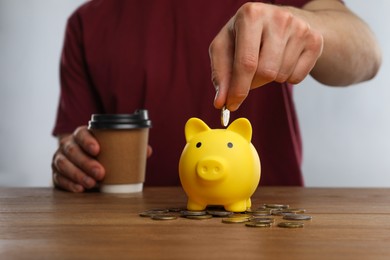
(119, 56)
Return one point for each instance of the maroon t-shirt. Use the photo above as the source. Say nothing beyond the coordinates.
(120, 56)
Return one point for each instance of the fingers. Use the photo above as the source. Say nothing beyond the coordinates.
(260, 44)
(74, 166)
(61, 181)
(221, 53)
(308, 58)
(86, 141)
(246, 57)
(149, 151)
(275, 60)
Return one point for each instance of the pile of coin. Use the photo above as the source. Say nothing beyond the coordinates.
(264, 216)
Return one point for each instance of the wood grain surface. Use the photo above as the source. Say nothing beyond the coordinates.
(43, 223)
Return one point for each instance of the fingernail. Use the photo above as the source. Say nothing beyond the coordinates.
(92, 149)
(233, 107)
(77, 188)
(88, 182)
(96, 173)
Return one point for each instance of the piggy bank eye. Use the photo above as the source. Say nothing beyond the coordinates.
(198, 144)
(229, 144)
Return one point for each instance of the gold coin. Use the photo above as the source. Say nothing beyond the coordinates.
(276, 206)
(291, 224)
(207, 216)
(219, 213)
(239, 215)
(296, 211)
(277, 212)
(164, 217)
(146, 214)
(234, 220)
(262, 220)
(225, 116)
(260, 213)
(297, 217)
(257, 224)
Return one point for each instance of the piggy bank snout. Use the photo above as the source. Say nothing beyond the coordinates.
(211, 169)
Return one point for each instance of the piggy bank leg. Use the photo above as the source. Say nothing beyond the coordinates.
(192, 205)
(239, 206)
(248, 203)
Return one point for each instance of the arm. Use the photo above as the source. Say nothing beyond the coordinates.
(74, 167)
(350, 48)
(263, 43)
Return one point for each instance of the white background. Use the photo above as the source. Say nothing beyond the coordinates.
(345, 131)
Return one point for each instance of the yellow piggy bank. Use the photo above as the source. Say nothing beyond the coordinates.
(219, 166)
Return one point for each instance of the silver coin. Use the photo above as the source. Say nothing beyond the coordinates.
(151, 212)
(296, 211)
(225, 116)
(164, 217)
(230, 220)
(257, 224)
(276, 206)
(185, 213)
(263, 220)
(258, 215)
(291, 224)
(259, 210)
(219, 213)
(207, 216)
(297, 217)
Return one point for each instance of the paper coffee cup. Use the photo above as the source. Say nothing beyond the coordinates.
(123, 140)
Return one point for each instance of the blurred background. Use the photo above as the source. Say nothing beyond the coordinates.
(345, 130)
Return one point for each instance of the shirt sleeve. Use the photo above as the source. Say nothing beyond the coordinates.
(78, 99)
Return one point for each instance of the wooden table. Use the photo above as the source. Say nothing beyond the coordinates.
(42, 223)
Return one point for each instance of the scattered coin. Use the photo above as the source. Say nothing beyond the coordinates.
(163, 217)
(277, 212)
(151, 212)
(239, 215)
(276, 206)
(185, 213)
(260, 211)
(230, 220)
(263, 220)
(225, 116)
(291, 224)
(296, 211)
(258, 217)
(297, 217)
(257, 214)
(207, 216)
(257, 224)
(219, 213)
(146, 214)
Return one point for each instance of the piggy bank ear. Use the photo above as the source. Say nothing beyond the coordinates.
(193, 127)
(243, 127)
